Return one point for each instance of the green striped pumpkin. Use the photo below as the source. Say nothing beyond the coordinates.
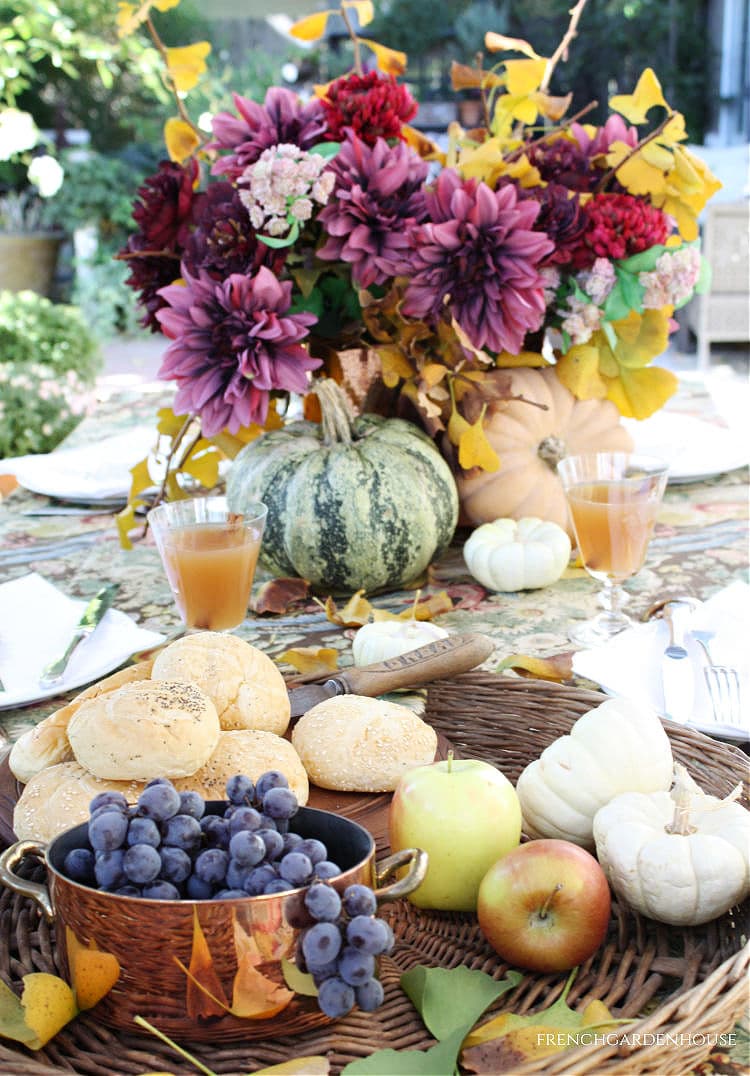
(352, 504)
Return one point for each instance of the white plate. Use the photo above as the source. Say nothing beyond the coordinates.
(96, 474)
(36, 623)
(694, 449)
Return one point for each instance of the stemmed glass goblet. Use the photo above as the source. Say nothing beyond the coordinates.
(613, 498)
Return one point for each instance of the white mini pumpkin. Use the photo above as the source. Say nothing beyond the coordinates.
(517, 555)
(384, 639)
(681, 858)
(620, 746)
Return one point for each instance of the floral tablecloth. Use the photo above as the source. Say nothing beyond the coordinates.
(700, 545)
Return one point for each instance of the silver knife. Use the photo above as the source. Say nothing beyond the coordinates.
(676, 668)
(435, 661)
(54, 672)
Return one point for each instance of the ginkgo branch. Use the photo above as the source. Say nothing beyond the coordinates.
(355, 40)
(516, 153)
(162, 49)
(601, 185)
(561, 52)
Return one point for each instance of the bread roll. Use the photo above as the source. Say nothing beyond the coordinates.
(243, 683)
(251, 752)
(47, 743)
(155, 728)
(59, 796)
(354, 744)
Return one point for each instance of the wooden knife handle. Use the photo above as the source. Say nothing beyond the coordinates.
(436, 661)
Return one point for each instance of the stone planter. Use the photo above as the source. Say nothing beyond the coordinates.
(28, 260)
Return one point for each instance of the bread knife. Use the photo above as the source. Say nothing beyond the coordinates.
(54, 672)
(438, 660)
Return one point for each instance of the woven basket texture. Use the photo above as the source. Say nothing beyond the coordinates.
(684, 985)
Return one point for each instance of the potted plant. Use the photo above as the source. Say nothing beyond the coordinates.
(29, 176)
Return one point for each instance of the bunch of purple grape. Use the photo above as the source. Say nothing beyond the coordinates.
(166, 847)
(339, 950)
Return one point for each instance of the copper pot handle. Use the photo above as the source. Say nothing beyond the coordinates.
(39, 893)
(413, 858)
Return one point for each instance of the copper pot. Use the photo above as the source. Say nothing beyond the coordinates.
(181, 963)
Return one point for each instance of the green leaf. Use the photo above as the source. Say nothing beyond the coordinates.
(326, 149)
(632, 290)
(300, 982)
(609, 332)
(312, 303)
(439, 1060)
(643, 262)
(703, 283)
(276, 242)
(615, 307)
(453, 999)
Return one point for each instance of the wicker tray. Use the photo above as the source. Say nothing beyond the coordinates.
(692, 983)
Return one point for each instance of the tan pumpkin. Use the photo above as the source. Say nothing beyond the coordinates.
(530, 442)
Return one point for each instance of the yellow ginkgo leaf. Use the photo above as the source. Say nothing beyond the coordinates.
(638, 393)
(311, 27)
(315, 1065)
(140, 479)
(391, 61)
(49, 1004)
(646, 95)
(474, 450)
(165, 5)
(554, 108)
(395, 365)
(168, 422)
(180, 139)
(364, 8)
(510, 108)
(311, 659)
(506, 360)
(641, 337)
(424, 146)
(125, 521)
(92, 971)
(524, 76)
(128, 18)
(578, 369)
(500, 43)
(187, 64)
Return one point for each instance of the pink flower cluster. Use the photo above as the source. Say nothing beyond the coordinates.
(582, 317)
(282, 186)
(672, 281)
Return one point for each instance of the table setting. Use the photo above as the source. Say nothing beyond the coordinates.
(375, 695)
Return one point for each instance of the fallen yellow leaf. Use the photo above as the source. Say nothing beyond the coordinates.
(93, 972)
(48, 1003)
(311, 660)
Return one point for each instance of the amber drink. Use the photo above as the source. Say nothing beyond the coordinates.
(209, 556)
(613, 498)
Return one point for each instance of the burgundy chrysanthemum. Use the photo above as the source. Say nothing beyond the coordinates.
(561, 219)
(371, 105)
(163, 211)
(377, 197)
(233, 344)
(164, 205)
(478, 256)
(224, 241)
(618, 226)
(575, 159)
(281, 118)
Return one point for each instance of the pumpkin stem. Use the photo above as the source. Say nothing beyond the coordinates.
(335, 411)
(551, 450)
(414, 605)
(682, 794)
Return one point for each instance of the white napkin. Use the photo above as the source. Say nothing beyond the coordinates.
(630, 663)
(93, 472)
(36, 624)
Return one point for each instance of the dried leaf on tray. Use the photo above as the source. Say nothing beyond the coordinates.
(46, 1005)
(311, 660)
(557, 668)
(279, 595)
(205, 994)
(508, 1040)
(354, 614)
(93, 972)
(254, 995)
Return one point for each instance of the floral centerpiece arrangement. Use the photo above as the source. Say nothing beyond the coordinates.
(301, 229)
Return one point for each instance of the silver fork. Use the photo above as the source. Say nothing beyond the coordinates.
(723, 683)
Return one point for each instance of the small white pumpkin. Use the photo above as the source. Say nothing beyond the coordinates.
(681, 858)
(383, 639)
(519, 554)
(620, 746)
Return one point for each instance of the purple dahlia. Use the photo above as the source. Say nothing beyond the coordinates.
(561, 218)
(378, 196)
(224, 241)
(282, 118)
(479, 257)
(233, 344)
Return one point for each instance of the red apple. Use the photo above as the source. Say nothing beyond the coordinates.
(544, 906)
(464, 813)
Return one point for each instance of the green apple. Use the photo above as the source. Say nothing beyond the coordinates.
(465, 814)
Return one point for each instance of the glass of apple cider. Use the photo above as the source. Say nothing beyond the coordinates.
(613, 498)
(209, 555)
